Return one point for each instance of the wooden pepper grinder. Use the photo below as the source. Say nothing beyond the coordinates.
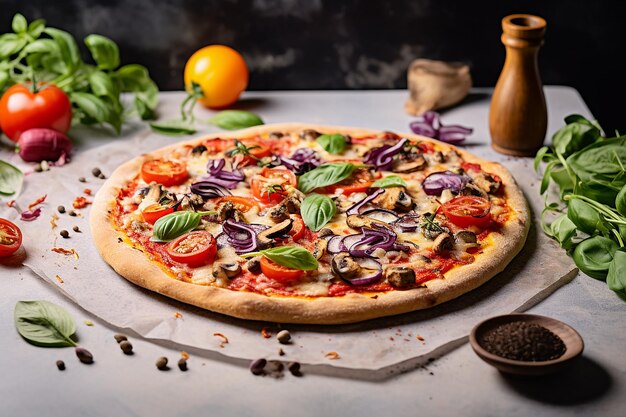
(518, 117)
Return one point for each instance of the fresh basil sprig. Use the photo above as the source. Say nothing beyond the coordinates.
(44, 324)
(334, 143)
(36, 53)
(324, 175)
(177, 224)
(317, 210)
(390, 181)
(235, 119)
(294, 257)
(11, 179)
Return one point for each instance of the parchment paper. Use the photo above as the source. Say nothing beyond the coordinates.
(540, 269)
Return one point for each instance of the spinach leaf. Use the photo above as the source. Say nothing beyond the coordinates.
(44, 324)
(176, 224)
(563, 230)
(317, 210)
(594, 255)
(235, 119)
(294, 257)
(11, 179)
(616, 277)
(334, 144)
(390, 181)
(576, 135)
(585, 217)
(620, 201)
(324, 175)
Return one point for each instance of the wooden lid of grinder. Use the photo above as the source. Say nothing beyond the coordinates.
(522, 30)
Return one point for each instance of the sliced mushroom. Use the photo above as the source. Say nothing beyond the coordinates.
(278, 230)
(196, 200)
(198, 150)
(486, 182)
(400, 276)
(276, 135)
(436, 157)
(465, 236)
(226, 270)
(254, 264)
(471, 189)
(358, 221)
(293, 204)
(319, 248)
(310, 134)
(229, 211)
(344, 266)
(325, 232)
(443, 243)
(394, 198)
(278, 213)
(404, 167)
(154, 192)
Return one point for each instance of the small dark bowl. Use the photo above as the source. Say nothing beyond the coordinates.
(574, 345)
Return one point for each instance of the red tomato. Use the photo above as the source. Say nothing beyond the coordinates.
(155, 211)
(358, 182)
(164, 172)
(278, 272)
(468, 211)
(270, 184)
(194, 248)
(21, 110)
(468, 166)
(242, 204)
(256, 151)
(297, 229)
(10, 238)
(218, 145)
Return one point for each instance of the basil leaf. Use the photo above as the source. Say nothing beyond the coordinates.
(135, 78)
(235, 119)
(92, 106)
(175, 224)
(616, 278)
(68, 49)
(323, 175)
(104, 51)
(4, 79)
(317, 210)
(390, 181)
(332, 143)
(173, 127)
(102, 85)
(19, 24)
(11, 179)
(44, 324)
(294, 257)
(41, 46)
(11, 44)
(36, 27)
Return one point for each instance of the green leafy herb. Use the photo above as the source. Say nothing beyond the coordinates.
(35, 53)
(324, 175)
(11, 179)
(241, 149)
(390, 181)
(176, 224)
(594, 255)
(44, 324)
(563, 230)
(173, 127)
(334, 144)
(616, 277)
(235, 119)
(294, 257)
(317, 210)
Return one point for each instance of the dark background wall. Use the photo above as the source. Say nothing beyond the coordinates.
(354, 44)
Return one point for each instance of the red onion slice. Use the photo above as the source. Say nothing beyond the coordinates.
(429, 124)
(372, 272)
(408, 223)
(226, 179)
(435, 183)
(356, 207)
(240, 236)
(382, 157)
(335, 244)
(381, 214)
(209, 189)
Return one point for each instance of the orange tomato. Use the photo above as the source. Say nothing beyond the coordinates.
(220, 71)
(278, 272)
(155, 211)
(242, 204)
(164, 172)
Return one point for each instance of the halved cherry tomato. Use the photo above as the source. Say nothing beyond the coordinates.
(468, 166)
(218, 145)
(360, 180)
(468, 211)
(270, 184)
(242, 204)
(298, 228)
(10, 238)
(278, 272)
(164, 172)
(193, 248)
(256, 150)
(155, 211)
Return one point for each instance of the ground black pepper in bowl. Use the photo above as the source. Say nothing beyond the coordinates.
(523, 341)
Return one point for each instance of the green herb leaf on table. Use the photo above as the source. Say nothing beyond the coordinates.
(317, 210)
(235, 119)
(175, 127)
(176, 224)
(390, 181)
(294, 257)
(585, 217)
(43, 323)
(563, 230)
(11, 179)
(324, 175)
(594, 255)
(332, 143)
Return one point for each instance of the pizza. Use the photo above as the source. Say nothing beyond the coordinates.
(315, 224)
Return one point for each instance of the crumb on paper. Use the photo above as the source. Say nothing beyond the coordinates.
(332, 356)
(37, 202)
(80, 202)
(88, 323)
(10, 204)
(178, 315)
(391, 338)
(53, 220)
(59, 279)
(64, 251)
(420, 338)
(87, 191)
(265, 332)
(184, 355)
(221, 336)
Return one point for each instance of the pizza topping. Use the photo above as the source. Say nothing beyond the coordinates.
(176, 224)
(164, 172)
(471, 189)
(381, 214)
(242, 237)
(209, 189)
(394, 198)
(226, 270)
(443, 244)
(359, 271)
(406, 166)
(465, 236)
(356, 208)
(319, 248)
(194, 249)
(408, 223)
(198, 150)
(155, 211)
(254, 265)
(431, 228)
(271, 184)
(325, 175)
(435, 183)
(344, 266)
(358, 221)
(278, 231)
(468, 211)
(227, 179)
(382, 158)
(486, 182)
(400, 276)
(309, 134)
(303, 160)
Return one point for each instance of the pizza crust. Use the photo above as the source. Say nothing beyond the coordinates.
(137, 268)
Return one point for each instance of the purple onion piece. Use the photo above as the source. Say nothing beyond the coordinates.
(374, 274)
(227, 179)
(435, 183)
(356, 207)
(381, 214)
(30, 215)
(335, 244)
(209, 189)
(423, 129)
(303, 160)
(429, 124)
(382, 157)
(241, 236)
(408, 222)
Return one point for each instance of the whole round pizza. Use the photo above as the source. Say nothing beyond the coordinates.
(303, 223)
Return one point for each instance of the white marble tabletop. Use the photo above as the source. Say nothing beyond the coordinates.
(456, 384)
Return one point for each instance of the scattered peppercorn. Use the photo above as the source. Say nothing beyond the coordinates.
(61, 365)
(64, 234)
(523, 341)
(126, 347)
(71, 213)
(182, 364)
(283, 336)
(257, 366)
(102, 176)
(281, 352)
(119, 338)
(82, 179)
(84, 355)
(76, 229)
(294, 368)
(161, 363)
(96, 172)
(61, 209)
